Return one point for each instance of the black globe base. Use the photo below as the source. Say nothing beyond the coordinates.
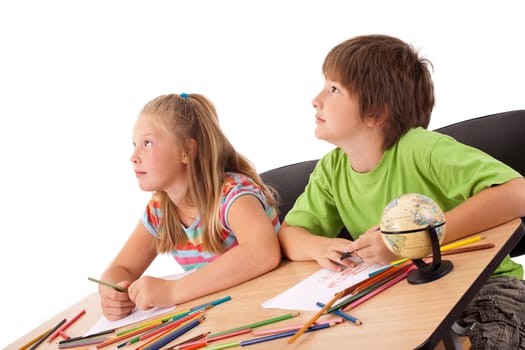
(430, 272)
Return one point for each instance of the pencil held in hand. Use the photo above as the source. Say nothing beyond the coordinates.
(107, 284)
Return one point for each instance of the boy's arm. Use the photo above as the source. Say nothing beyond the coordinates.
(300, 244)
(489, 208)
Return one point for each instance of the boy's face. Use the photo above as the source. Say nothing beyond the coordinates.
(337, 114)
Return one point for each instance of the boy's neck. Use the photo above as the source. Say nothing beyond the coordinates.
(366, 157)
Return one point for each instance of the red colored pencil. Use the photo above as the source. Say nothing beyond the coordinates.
(65, 326)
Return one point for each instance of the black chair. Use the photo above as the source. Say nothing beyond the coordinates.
(501, 135)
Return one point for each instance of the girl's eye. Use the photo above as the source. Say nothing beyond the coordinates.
(334, 89)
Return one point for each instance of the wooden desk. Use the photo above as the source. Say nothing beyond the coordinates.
(402, 317)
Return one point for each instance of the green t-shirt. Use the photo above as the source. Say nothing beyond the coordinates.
(422, 161)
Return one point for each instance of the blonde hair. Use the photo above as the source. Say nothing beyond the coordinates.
(193, 117)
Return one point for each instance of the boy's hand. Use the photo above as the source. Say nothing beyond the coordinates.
(330, 252)
(371, 248)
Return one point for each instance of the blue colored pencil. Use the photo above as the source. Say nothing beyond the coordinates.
(285, 334)
(343, 315)
(212, 303)
(177, 332)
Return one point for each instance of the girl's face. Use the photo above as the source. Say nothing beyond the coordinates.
(337, 114)
(158, 161)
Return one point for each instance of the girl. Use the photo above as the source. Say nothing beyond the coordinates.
(209, 209)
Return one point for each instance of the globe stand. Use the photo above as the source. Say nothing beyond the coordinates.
(430, 272)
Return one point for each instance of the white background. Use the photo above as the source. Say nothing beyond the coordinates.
(74, 74)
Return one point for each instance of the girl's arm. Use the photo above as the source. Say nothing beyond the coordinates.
(129, 264)
(258, 252)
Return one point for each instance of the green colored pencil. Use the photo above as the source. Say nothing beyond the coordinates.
(107, 284)
(256, 324)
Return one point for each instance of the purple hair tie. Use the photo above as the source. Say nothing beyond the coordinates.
(184, 95)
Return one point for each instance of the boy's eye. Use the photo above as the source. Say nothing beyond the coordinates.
(147, 143)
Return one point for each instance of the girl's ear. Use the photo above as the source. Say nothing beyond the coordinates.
(190, 151)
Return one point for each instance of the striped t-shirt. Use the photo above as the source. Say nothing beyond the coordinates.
(191, 255)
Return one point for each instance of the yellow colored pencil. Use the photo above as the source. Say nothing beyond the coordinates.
(460, 243)
(31, 342)
(449, 246)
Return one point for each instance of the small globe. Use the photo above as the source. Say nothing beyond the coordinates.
(405, 225)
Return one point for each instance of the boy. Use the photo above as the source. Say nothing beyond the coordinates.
(375, 107)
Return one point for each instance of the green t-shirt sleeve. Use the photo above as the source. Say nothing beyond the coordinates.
(462, 171)
(315, 209)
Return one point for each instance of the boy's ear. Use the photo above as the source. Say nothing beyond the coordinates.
(190, 151)
(372, 119)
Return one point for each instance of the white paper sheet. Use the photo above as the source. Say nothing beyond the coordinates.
(137, 315)
(320, 286)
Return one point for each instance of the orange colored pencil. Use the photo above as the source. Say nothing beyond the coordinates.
(303, 329)
(468, 249)
(382, 277)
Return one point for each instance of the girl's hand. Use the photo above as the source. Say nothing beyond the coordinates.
(115, 305)
(371, 248)
(148, 292)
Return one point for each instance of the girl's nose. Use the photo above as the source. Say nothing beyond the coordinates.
(134, 159)
(316, 102)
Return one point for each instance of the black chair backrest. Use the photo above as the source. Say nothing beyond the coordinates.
(501, 135)
(289, 181)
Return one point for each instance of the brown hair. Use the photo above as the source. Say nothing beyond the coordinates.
(193, 117)
(387, 75)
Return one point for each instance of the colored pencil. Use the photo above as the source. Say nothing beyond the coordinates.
(212, 303)
(107, 284)
(291, 328)
(258, 324)
(469, 249)
(376, 291)
(160, 328)
(183, 344)
(449, 246)
(157, 321)
(193, 347)
(44, 337)
(169, 325)
(34, 340)
(82, 342)
(65, 326)
(107, 331)
(460, 243)
(382, 277)
(336, 297)
(222, 346)
(285, 334)
(278, 330)
(125, 336)
(174, 334)
(215, 338)
(343, 315)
